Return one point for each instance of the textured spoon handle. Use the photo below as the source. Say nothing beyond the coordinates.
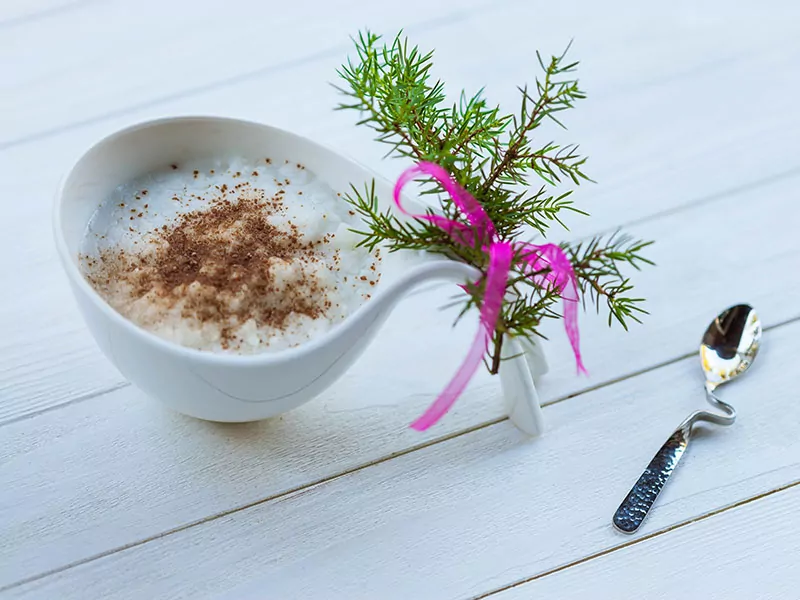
(633, 510)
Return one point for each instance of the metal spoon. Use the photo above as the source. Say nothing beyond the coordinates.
(728, 348)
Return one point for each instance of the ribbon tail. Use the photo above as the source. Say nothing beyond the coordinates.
(500, 256)
(561, 276)
(571, 323)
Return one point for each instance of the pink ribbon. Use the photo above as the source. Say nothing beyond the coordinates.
(547, 265)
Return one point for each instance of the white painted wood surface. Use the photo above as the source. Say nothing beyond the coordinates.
(322, 439)
(691, 126)
(469, 515)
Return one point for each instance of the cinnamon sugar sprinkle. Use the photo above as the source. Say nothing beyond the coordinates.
(235, 274)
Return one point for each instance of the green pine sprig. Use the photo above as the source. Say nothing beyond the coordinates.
(495, 157)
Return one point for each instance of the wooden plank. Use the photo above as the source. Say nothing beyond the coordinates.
(75, 367)
(166, 54)
(708, 59)
(132, 54)
(746, 552)
(16, 13)
(454, 520)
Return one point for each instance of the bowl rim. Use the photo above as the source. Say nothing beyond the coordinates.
(207, 357)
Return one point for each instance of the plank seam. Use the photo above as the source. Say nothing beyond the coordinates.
(275, 497)
(44, 14)
(431, 24)
(711, 198)
(40, 411)
(639, 540)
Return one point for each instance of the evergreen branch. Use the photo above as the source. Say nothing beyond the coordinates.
(492, 155)
(597, 265)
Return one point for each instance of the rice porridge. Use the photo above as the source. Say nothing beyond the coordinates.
(239, 256)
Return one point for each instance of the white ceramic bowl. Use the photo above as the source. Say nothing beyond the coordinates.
(226, 387)
(213, 386)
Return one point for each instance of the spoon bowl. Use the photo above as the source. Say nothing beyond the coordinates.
(729, 345)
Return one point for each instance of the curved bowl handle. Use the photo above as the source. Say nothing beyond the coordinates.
(522, 362)
(519, 391)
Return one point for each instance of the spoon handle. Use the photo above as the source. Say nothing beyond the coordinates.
(633, 510)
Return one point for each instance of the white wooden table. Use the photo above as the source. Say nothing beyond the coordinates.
(692, 126)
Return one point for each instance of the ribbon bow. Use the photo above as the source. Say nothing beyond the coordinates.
(547, 265)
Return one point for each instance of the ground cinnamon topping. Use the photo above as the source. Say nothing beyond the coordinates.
(235, 255)
(225, 264)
